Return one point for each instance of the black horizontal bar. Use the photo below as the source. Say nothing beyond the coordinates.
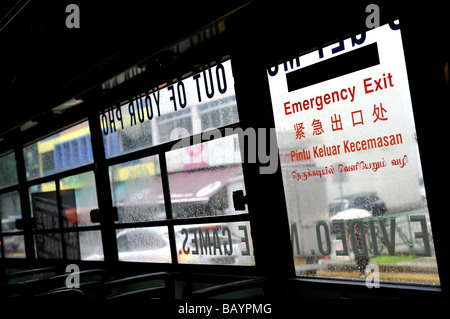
(60, 175)
(9, 189)
(340, 65)
(75, 229)
(187, 221)
(12, 233)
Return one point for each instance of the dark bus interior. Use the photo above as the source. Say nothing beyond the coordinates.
(121, 51)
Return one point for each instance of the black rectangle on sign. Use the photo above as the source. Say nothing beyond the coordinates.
(343, 64)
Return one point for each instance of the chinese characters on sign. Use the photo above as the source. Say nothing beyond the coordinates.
(349, 156)
(378, 112)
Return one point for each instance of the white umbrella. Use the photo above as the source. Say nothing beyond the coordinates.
(352, 213)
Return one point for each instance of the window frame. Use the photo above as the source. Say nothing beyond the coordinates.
(55, 178)
(160, 151)
(349, 286)
(251, 88)
(107, 210)
(17, 232)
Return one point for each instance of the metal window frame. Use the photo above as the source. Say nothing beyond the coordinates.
(247, 96)
(4, 190)
(159, 150)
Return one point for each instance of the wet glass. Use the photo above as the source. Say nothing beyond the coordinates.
(48, 246)
(202, 101)
(13, 246)
(44, 206)
(10, 211)
(136, 189)
(8, 170)
(79, 197)
(145, 244)
(203, 177)
(215, 244)
(62, 151)
(85, 245)
(350, 163)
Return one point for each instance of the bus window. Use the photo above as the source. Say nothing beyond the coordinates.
(10, 211)
(137, 190)
(8, 176)
(62, 151)
(44, 203)
(191, 167)
(11, 239)
(61, 202)
(145, 244)
(202, 178)
(215, 244)
(83, 188)
(65, 210)
(84, 245)
(202, 101)
(350, 162)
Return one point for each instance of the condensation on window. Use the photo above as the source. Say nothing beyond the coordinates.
(203, 177)
(44, 206)
(79, 198)
(136, 188)
(215, 244)
(85, 245)
(193, 105)
(145, 244)
(351, 167)
(48, 246)
(10, 212)
(13, 246)
(8, 170)
(62, 151)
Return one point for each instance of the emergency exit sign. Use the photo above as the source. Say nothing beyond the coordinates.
(347, 103)
(345, 129)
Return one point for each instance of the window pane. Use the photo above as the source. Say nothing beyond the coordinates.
(44, 205)
(72, 246)
(147, 244)
(14, 246)
(8, 170)
(10, 211)
(350, 162)
(219, 244)
(48, 246)
(202, 101)
(202, 178)
(67, 149)
(79, 197)
(137, 190)
(86, 245)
